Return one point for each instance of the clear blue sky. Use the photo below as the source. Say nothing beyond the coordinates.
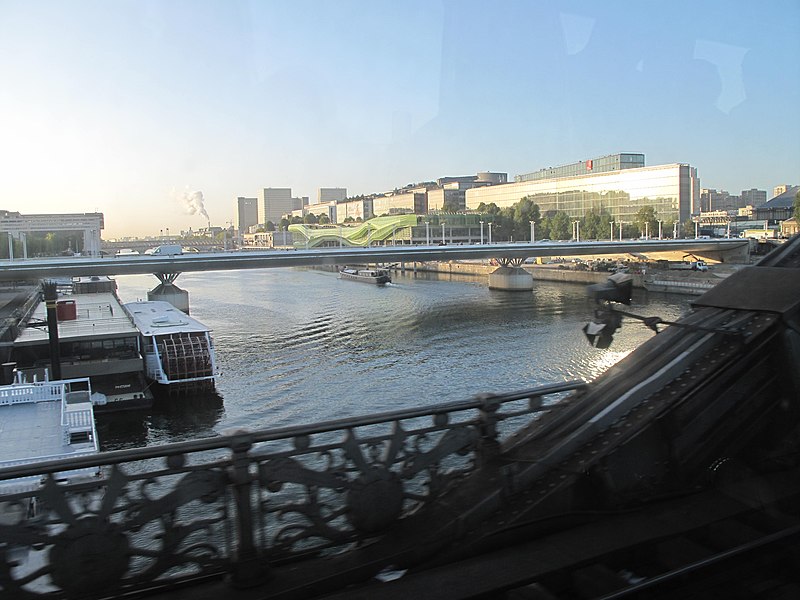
(123, 107)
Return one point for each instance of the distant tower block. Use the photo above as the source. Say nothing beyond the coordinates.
(510, 276)
(169, 292)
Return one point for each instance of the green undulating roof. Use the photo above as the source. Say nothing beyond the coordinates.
(375, 230)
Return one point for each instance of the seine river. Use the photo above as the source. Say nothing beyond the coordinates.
(299, 346)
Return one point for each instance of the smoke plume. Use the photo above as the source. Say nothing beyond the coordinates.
(193, 203)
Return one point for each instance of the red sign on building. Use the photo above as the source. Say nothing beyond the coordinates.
(588, 165)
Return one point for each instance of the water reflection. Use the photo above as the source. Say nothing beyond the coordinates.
(300, 346)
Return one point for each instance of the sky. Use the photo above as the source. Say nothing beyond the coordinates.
(154, 111)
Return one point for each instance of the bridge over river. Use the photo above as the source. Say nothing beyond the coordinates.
(732, 250)
(674, 474)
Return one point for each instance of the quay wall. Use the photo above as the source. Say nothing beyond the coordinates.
(685, 282)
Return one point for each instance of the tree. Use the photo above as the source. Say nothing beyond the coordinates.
(284, 223)
(560, 228)
(688, 228)
(797, 207)
(269, 226)
(646, 220)
(310, 219)
(296, 220)
(324, 220)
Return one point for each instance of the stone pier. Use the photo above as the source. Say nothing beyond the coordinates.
(510, 276)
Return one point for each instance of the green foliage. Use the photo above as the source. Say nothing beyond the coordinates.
(269, 226)
(561, 226)
(324, 220)
(688, 228)
(310, 219)
(797, 206)
(646, 220)
(284, 223)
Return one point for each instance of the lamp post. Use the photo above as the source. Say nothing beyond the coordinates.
(646, 230)
(611, 239)
(660, 236)
(620, 231)
(394, 230)
(696, 229)
(728, 233)
(443, 240)
(427, 233)
(481, 222)
(675, 230)
(533, 231)
(490, 232)
(576, 230)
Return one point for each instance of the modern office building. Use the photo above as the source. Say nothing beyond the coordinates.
(672, 190)
(712, 200)
(246, 213)
(754, 197)
(331, 195)
(18, 226)
(273, 203)
(355, 209)
(407, 201)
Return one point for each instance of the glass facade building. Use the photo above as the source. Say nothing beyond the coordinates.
(672, 190)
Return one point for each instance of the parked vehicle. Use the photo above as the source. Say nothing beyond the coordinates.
(166, 250)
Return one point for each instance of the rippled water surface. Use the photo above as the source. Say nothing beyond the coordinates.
(299, 345)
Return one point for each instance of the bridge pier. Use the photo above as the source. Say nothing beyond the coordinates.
(167, 291)
(510, 276)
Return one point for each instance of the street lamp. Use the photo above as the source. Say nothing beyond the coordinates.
(428, 233)
(612, 232)
(659, 230)
(620, 231)
(646, 230)
(576, 230)
(533, 231)
(675, 230)
(481, 222)
(490, 232)
(696, 229)
(443, 240)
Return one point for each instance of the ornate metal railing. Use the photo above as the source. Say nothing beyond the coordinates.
(236, 504)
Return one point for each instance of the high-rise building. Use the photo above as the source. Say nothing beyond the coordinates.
(753, 197)
(712, 200)
(672, 190)
(299, 203)
(246, 213)
(331, 195)
(273, 204)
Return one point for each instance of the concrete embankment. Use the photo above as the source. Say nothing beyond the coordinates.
(680, 282)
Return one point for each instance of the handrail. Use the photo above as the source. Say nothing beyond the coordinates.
(264, 435)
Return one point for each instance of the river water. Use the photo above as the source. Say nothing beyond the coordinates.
(298, 346)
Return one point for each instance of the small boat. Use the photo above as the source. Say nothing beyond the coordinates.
(376, 276)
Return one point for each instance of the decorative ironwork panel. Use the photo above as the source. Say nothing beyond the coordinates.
(237, 503)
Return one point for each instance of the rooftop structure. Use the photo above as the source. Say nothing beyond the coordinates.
(603, 164)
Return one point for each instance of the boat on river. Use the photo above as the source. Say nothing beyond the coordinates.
(178, 350)
(375, 276)
(97, 339)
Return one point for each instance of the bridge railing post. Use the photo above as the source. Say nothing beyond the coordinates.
(249, 567)
(489, 446)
